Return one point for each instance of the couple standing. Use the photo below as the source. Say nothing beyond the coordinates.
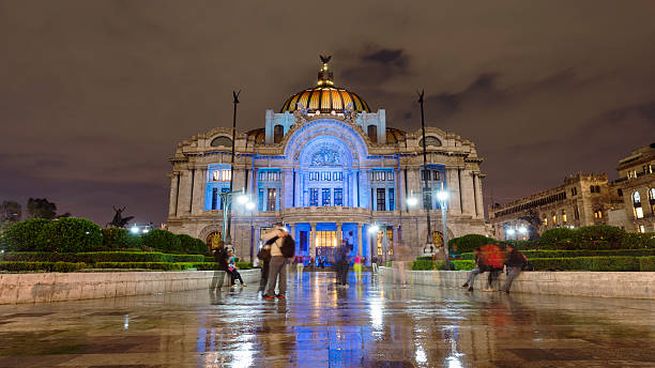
(277, 243)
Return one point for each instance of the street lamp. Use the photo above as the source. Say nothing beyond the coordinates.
(412, 202)
(442, 196)
(510, 232)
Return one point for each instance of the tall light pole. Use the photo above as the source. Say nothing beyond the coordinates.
(227, 208)
(442, 196)
(428, 241)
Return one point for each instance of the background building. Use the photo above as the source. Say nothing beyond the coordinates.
(582, 200)
(634, 191)
(330, 168)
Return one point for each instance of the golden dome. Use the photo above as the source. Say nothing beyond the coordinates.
(325, 97)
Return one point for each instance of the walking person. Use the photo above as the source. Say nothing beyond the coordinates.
(264, 256)
(514, 262)
(220, 271)
(479, 268)
(279, 260)
(357, 267)
(374, 265)
(341, 264)
(300, 265)
(401, 257)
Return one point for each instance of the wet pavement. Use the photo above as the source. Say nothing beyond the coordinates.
(370, 324)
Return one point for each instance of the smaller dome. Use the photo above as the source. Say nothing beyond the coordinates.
(325, 97)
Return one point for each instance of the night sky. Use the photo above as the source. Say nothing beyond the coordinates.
(94, 95)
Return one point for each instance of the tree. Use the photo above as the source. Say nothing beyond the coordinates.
(10, 212)
(41, 208)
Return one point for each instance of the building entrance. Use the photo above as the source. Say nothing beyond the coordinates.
(326, 243)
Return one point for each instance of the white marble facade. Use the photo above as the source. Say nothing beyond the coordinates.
(328, 176)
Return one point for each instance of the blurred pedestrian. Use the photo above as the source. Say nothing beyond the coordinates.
(374, 265)
(515, 261)
(357, 267)
(277, 273)
(341, 264)
(220, 271)
(232, 268)
(479, 268)
(402, 256)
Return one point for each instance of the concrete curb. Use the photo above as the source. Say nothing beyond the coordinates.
(637, 285)
(56, 287)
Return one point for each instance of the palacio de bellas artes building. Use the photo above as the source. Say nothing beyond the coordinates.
(329, 168)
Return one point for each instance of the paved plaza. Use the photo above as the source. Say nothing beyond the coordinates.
(370, 324)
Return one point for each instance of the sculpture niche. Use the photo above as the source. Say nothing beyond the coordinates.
(119, 220)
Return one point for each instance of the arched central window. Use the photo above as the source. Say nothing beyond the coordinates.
(636, 203)
(221, 141)
(372, 131)
(278, 133)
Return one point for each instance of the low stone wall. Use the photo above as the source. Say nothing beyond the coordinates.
(56, 287)
(639, 285)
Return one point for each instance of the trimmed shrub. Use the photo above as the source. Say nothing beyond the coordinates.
(598, 237)
(638, 241)
(586, 264)
(427, 265)
(93, 257)
(115, 238)
(164, 266)
(558, 238)
(244, 265)
(463, 265)
(25, 235)
(41, 266)
(647, 263)
(468, 243)
(162, 240)
(580, 253)
(70, 234)
(192, 245)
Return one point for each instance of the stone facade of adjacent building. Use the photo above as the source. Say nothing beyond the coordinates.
(633, 207)
(581, 200)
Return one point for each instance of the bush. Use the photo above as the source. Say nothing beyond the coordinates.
(162, 240)
(70, 234)
(558, 238)
(586, 264)
(468, 243)
(41, 266)
(638, 241)
(192, 245)
(25, 235)
(93, 257)
(598, 237)
(115, 238)
(463, 265)
(164, 266)
(647, 263)
(427, 265)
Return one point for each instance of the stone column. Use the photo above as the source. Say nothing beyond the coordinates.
(184, 196)
(199, 183)
(400, 190)
(312, 240)
(292, 231)
(339, 233)
(467, 193)
(360, 240)
(173, 198)
(394, 232)
(452, 183)
(480, 200)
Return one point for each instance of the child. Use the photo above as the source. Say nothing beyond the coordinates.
(232, 268)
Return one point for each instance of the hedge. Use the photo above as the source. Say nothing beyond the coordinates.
(425, 264)
(93, 257)
(162, 240)
(579, 253)
(618, 263)
(468, 243)
(586, 264)
(24, 235)
(42, 266)
(189, 244)
(70, 235)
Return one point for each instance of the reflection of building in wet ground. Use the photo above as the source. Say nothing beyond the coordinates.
(366, 325)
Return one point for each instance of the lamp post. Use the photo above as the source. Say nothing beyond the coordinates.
(442, 196)
(428, 241)
(227, 208)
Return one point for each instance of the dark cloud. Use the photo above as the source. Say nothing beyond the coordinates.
(95, 95)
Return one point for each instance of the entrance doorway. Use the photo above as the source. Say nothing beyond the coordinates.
(326, 243)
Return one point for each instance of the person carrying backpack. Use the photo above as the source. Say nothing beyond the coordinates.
(282, 249)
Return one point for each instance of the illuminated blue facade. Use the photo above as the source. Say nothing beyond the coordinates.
(329, 170)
